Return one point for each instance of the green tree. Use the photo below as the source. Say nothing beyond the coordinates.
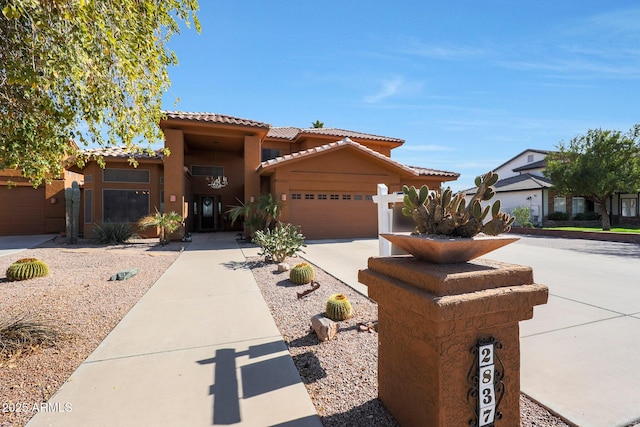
(596, 165)
(83, 71)
(317, 124)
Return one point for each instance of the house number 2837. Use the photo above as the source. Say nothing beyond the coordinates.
(486, 381)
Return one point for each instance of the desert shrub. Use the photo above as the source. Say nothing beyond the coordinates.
(166, 222)
(23, 333)
(523, 216)
(112, 234)
(559, 216)
(587, 216)
(27, 268)
(283, 241)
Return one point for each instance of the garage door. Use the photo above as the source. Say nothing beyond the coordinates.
(333, 215)
(21, 210)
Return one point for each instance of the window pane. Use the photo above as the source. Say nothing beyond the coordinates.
(559, 204)
(88, 206)
(629, 207)
(125, 175)
(124, 205)
(577, 205)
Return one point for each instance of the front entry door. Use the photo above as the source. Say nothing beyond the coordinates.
(208, 213)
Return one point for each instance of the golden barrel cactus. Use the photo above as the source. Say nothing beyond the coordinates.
(338, 307)
(302, 273)
(27, 268)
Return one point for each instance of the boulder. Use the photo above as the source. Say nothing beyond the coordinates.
(324, 327)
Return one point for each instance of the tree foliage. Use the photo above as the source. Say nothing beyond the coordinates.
(596, 165)
(88, 71)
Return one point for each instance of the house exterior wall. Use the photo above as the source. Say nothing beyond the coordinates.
(28, 210)
(92, 214)
(506, 170)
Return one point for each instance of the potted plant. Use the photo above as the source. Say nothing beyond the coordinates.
(450, 230)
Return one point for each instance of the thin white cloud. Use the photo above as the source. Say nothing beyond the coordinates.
(413, 46)
(426, 148)
(391, 88)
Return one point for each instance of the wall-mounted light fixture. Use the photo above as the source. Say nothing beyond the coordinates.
(283, 197)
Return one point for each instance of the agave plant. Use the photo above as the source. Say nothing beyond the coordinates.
(443, 213)
(167, 223)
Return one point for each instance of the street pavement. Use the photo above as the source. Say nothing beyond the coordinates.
(580, 352)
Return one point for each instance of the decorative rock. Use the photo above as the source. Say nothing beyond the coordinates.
(324, 327)
(283, 266)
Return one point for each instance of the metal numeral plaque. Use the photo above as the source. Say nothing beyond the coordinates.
(485, 380)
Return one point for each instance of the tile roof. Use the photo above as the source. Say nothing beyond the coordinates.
(331, 146)
(214, 118)
(433, 172)
(291, 133)
(116, 151)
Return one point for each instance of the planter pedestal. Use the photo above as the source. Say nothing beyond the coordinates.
(430, 317)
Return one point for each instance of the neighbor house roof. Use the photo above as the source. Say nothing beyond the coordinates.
(529, 166)
(448, 176)
(293, 133)
(214, 118)
(520, 182)
(529, 150)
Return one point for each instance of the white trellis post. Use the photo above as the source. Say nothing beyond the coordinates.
(385, 216)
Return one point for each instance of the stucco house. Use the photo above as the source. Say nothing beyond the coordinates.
(522, 183)
(28, 210)
(325, 177)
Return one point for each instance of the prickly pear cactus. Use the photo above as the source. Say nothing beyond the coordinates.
(338, 308)
(447, 214)
(27, 268)
(302, 273)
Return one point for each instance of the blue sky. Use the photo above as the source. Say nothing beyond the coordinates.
(467, 84)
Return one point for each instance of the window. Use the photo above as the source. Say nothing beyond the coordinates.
(270, 153)
(88, 206)
(530, 158)
(296, 196)
(577, 205)
(335, 197)
(308, 196)
(322, 197)
(629, 207)
(125, 175)
(124, 205)
(559, 204)
(346, 197)
(199, 170)
(357, 197)
(369, 197)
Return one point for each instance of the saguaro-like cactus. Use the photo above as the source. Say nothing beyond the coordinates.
(72, 205)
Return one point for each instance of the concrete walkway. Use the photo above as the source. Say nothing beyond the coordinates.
(580, 352)
(199, 349)
(13, 244)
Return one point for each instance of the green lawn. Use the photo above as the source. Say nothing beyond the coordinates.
(613, 229)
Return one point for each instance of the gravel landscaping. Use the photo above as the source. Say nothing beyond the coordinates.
(79, 300)
(341, 374)
(76, 298)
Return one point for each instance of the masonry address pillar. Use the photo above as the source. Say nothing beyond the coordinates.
(431, 318)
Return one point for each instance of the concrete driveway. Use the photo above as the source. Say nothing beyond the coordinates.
(13, 244)
(580, 352)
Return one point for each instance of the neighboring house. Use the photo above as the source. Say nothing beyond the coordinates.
(325, 177)
(522, 183)
(28, 210)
